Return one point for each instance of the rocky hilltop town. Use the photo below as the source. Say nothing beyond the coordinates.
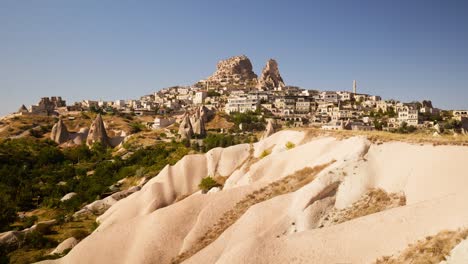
(235, 88)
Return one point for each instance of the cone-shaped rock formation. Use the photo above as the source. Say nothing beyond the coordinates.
(97, 132)
(60, 133)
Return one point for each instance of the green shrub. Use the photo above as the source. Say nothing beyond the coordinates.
(29, 221)
(265, 153)
(136, 127)
(79, 233)
(207, 183)
(290, 145)
(38, 241)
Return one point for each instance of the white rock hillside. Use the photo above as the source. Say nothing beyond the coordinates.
(277, 208)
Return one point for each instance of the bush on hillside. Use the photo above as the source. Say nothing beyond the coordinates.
(207, 184)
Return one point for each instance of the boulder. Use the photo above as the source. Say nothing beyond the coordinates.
(67, 196)
(68, 243)
(10, 238)
(60, 133)
(97, 132)
(271, 77)
(42, 227)
(122, 194)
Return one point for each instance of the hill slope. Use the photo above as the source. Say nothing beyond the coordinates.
(287, 199)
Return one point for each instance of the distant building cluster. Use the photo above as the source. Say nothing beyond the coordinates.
(235, 88)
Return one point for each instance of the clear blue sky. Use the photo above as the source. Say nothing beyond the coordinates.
(111, 49)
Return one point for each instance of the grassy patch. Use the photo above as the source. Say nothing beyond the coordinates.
(432, 249)
(374, 201)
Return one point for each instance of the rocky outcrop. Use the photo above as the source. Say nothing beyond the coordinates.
(270, 130)
(12, 239)
(67, 244)
(23, 109)
(194, 124)
(426, 103)
(97, 132)
(198, 122)
(98, 207)
(60, 133)
(185, 128)
(233, 72)
(271, 77)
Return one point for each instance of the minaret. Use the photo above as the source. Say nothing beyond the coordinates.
(354, 86)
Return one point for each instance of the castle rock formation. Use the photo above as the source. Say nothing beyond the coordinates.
(233, 72)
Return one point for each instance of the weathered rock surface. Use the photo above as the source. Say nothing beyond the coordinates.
(246, 223)
(97, 132)
(270, 130)
(185, 128)
(60, 133)
(68, 243)
(98, 207)
(233, 72)
(10, 238)
(271, 77)
(198, 124)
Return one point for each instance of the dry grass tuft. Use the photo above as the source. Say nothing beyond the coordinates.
(374, 201)
(285, 185)
(432, 249)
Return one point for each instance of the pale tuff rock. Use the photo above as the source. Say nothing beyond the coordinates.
(198, 122)
(68, 243)
(155, 225)
(97, 132)
(80, 137)
(59, 133)
(185, 129)
(194, 124)
(235, 71)
(98, 207)
(271, 77)
(270, 130)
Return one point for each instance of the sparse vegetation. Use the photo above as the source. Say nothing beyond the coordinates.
(432, 249)
(207, 184)
(374, 201)
(265, 153)
(290, 145)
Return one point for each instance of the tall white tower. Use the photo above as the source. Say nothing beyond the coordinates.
(354, 86)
